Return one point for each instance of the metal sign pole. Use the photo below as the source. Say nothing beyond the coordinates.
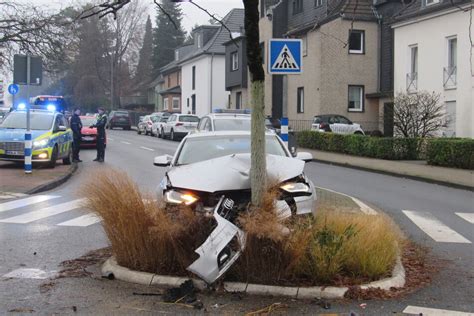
(284, 119)
(28, 141)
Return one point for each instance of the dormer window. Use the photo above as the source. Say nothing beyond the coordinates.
(176, 55)
(431, 2)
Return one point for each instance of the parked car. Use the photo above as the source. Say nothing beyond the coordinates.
(179, 125)
(144, 126)
(224, 122)
(335, 123)
(157, 127)
(120, 118)
(89, 135)
(210, 173)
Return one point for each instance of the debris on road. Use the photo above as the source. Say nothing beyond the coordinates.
(184, 295)
(267, 310)
(21, 310)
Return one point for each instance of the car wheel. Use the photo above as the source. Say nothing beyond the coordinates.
(54, 157)
(172, 135)
(68, 159)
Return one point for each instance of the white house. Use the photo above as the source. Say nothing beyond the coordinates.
(432, 52)
(203, 72)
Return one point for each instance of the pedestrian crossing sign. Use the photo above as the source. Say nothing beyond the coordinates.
(285, 56)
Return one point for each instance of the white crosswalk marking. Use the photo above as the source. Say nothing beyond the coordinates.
(7, 206)
(467, 216)
(434, 228)
(416, 310)
(43, 213)
(82, 221)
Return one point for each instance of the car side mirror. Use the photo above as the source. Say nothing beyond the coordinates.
(305, 156)
(162, 161)
(62, 128)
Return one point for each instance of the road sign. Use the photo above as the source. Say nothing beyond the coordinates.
(285, 56)
(13, 89)
(20, 70)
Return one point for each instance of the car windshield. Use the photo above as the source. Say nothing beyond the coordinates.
(121, 114)
(205, 148)
(189, 118)
(39, 121)
(232, 125)
(88, 121)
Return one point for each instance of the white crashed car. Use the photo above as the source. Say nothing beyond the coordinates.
(336, 124)
(211, 173)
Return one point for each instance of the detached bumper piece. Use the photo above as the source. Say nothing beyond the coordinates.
(223, 246)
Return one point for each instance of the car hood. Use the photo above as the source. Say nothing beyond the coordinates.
(86, 130)
(10, 135)
(230, 173)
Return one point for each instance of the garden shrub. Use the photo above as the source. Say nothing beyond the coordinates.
(457, 152)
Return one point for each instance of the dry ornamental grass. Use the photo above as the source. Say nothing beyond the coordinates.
(331, 248)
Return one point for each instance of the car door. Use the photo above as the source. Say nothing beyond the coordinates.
(59, 136)
(169, 124)
(345, 125)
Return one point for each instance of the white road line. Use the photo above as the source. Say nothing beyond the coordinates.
(146, 148)
(82, 221)
(434, 228)
(416, 310)
(7, 206)
(364, 208)
(467, 216)
(126, 143)
(43, 213)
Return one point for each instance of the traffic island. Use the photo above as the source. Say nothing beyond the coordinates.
(14, 181)
(320, 256)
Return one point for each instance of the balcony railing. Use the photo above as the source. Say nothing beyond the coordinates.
(449, 77)
(412, 82)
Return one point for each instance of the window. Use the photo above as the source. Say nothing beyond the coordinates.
(318, 3)
(234, 59)
(199, 40)
(176, 54)
(300, 100)
(297, 6)
(343, 120)
(450, 72)
(356, 42)
(166, 104)
(194, 78)
(305, 44)
(412, 75)
(238, 100)
(176, 104)
(430, 2)
(356, 99)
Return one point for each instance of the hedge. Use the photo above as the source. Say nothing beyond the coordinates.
(457, 153)
(359, 145)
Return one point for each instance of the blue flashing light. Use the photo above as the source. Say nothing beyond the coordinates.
(51, 107)
(21, 106)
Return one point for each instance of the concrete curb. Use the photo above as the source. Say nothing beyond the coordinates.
(124, 274)
(399, 175)
(54, 183)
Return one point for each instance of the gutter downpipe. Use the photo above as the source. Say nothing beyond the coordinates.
(212, 70)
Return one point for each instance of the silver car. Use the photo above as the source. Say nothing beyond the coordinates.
(210, 172)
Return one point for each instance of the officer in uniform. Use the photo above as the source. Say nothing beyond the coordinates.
(76, 126)
(100, 125)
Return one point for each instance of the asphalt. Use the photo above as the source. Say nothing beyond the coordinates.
(43, 244)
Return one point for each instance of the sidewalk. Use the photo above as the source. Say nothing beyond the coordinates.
(14, 181)
(418, 170)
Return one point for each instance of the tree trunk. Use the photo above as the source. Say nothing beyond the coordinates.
(258, 170)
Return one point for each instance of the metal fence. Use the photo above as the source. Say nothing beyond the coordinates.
(305, 125)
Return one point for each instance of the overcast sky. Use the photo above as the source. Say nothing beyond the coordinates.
(191, 14)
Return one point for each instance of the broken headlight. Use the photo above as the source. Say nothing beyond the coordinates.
(176, 197)
(295, 187)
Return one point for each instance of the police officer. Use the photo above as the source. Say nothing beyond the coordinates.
(76, 126)
(100, 125)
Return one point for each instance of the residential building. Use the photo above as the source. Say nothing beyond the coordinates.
(340, 50)
(433, 52)
(203, 70)
(236, 72)
(171, 74)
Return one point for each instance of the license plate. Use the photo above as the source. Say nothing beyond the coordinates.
(15, 153)
(87, 138)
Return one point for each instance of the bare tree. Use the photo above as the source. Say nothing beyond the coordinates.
(418, 115)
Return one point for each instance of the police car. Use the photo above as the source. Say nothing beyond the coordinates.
(50, 134)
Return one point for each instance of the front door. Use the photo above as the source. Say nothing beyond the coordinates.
(388, 119)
